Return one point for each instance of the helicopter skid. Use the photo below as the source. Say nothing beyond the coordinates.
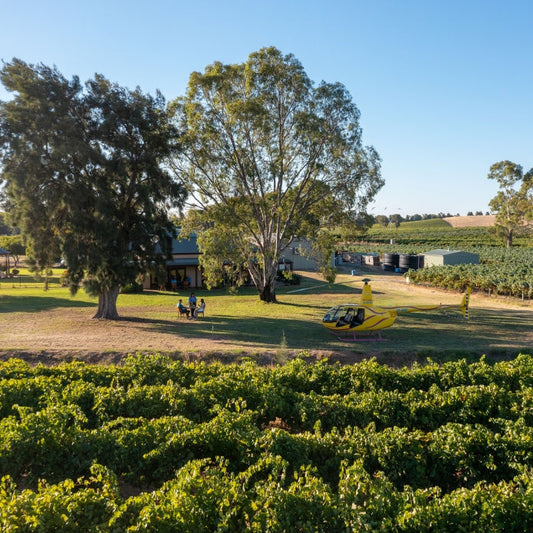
(368, 337)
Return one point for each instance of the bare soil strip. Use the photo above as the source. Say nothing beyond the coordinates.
(471, 221)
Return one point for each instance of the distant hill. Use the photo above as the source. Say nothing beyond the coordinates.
(471, 222)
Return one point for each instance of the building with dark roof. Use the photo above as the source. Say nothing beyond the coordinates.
(181, 270)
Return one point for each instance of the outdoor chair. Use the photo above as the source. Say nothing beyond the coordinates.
(184, 313)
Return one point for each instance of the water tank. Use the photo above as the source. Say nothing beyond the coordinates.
(409, 261)
(390, 262)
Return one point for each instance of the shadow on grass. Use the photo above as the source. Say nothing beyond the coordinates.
(262, 332)
(304, 305)
(337, 288)
(157, 323)
(31, 304)
(487, 332)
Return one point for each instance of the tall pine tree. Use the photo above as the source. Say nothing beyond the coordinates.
(84, 175)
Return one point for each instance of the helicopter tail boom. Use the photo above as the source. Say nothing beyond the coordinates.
(465, 303)
(463, 306)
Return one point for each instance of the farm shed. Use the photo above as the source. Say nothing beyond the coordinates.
(449, 257)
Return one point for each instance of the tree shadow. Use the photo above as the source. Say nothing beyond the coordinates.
(157, 322)
(305, 305)
(487, 331)
(32, 304)
(261, 332)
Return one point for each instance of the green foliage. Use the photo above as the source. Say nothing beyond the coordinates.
(329, 273)
(312, 447)
(503, 271)
(132, 288)
(290, 278)
(87, 504)
(438, 233)
(84, 174)
(5, 228)
(513, 204)
(14, 245)
(433, 233)
(268, 156)
(323, 248)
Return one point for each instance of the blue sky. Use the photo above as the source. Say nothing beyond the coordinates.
(445, 89)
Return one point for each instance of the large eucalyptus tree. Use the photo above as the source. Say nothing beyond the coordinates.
(83, 171)
(513, 204)
(268, 156)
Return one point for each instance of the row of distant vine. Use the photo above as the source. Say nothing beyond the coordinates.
(502, 271)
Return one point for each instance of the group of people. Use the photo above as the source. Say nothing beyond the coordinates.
(192, 310)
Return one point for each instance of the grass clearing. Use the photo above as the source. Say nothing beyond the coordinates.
(54, 324)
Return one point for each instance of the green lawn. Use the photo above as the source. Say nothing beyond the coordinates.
(26, 279)
(294, 323)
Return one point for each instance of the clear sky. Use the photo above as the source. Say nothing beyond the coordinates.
(445, 88)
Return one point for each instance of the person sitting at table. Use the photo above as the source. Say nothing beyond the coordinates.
(200, 308)
(182, 309)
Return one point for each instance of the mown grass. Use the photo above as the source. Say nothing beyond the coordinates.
(26, 279)
(294, 323)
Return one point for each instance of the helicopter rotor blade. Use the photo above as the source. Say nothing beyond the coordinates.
(324, 285)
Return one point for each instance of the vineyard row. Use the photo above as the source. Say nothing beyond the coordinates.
(310, 447)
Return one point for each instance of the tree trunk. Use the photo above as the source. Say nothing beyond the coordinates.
(509, 238)
(267, 293)
(107, 303)
(264, 280)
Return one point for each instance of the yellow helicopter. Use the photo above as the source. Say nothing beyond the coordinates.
(348, 320)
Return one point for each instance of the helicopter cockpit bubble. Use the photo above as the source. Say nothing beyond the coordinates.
(334, 314)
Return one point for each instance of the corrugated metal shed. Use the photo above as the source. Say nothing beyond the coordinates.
(449, 257)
